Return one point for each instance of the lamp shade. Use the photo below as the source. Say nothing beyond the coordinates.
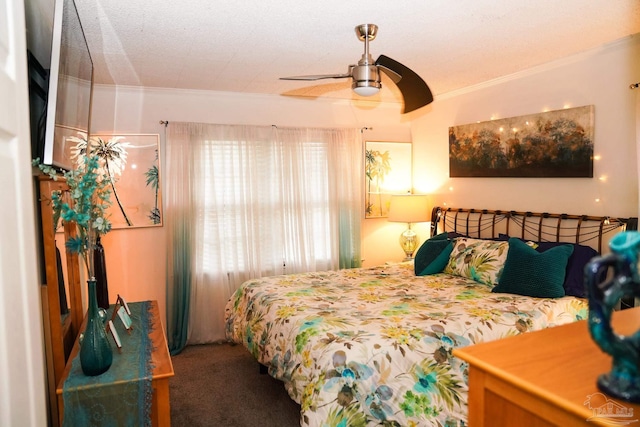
(409, 208)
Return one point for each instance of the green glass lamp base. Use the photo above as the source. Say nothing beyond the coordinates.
(409, 243)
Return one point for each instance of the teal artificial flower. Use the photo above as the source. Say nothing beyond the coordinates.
(101, 224)
(89, 191)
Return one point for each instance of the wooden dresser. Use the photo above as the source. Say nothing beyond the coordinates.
(63, 313)
(161, 373)
(546, 378)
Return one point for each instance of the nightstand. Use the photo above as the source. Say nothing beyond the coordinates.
(161, 372)
(545, 378)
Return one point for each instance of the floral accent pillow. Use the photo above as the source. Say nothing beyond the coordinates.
(477, 259)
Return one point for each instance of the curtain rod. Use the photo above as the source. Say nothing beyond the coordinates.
(166, 123)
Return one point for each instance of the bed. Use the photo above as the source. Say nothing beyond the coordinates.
(373, 346)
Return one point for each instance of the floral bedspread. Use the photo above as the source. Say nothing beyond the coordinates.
(372, 346)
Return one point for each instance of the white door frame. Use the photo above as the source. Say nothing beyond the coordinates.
(22, 362)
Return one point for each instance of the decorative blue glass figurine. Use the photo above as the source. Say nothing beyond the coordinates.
(624, 379)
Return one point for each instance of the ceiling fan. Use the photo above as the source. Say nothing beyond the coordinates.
(366, 75)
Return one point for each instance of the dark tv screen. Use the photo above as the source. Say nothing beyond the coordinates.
(70, 88)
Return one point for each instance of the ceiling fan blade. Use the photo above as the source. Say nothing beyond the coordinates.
(317, 77)
(415, 92)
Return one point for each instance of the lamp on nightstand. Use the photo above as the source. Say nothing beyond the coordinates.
(409, 208)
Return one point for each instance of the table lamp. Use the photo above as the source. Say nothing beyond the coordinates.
(409, 208)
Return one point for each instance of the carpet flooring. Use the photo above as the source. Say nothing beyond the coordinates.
(220, 385)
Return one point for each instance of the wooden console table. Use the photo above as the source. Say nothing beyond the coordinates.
(162, 371)
(545, 378)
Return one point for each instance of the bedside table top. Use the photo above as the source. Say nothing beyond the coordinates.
(559, 364)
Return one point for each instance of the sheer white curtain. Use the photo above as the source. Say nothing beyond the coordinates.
(638, 143)
(260, 201)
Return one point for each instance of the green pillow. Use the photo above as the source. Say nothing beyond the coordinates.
(532, 273)
(442, 236)
(439, 263)
(429, 251)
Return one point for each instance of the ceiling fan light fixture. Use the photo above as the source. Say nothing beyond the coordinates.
(365, 76)
(366, 88)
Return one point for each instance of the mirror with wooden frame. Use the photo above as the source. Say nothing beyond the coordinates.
(61, 294)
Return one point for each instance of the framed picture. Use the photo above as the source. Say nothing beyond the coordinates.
(136, 192)
(121, 310)
(125, 318)
(124, 304)
(388, 171)
(551, 144)
(114, 334)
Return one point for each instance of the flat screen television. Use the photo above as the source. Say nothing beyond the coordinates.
(70, 90)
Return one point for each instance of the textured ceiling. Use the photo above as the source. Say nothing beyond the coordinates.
(246, 45)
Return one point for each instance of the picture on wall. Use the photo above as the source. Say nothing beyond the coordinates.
(135, 170)
(551, 144)
(387, 172)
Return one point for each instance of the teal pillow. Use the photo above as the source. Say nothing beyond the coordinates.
(532, 273)
(442, 236)
(439, 263)
(429, 251)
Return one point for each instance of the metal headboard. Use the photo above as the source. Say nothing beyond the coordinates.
(587, 230)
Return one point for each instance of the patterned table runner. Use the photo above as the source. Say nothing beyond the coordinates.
(121, 396)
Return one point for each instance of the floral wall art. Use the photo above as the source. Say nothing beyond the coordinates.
(387, 172)
(550, 144)
(134, 165)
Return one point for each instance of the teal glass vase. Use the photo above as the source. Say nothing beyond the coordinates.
(623, 381)
(96, 355)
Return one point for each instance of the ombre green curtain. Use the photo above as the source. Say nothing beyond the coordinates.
(180, 223)
(251, 201)
(347, 181)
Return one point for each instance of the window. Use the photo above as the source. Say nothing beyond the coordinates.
(272, 196)
(250, 201)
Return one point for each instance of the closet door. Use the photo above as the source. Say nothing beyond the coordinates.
(22, 396)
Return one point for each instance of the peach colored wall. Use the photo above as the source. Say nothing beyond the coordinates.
(136, 264)
(601, 77)
(380, 240)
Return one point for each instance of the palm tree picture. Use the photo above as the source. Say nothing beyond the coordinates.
(153, 179)
(133, 164)
(113, 152)
(387, 171)
(376, 167)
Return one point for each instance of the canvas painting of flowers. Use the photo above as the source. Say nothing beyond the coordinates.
(552, 144)
(133, 163)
